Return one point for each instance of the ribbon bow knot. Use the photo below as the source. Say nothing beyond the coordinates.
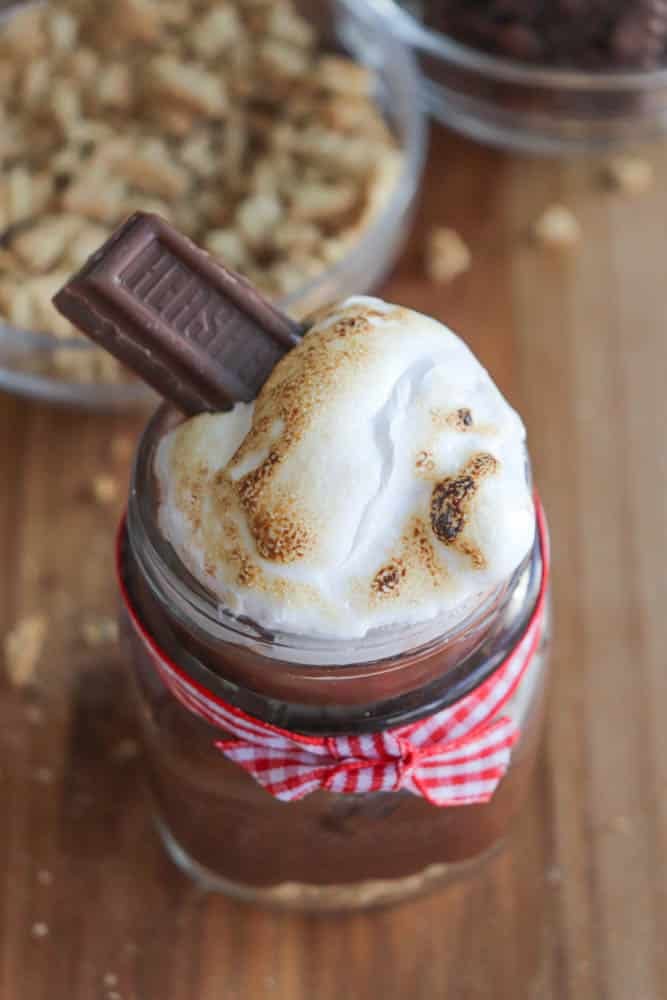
(419, 758)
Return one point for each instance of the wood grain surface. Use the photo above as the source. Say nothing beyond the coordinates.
(576, 906)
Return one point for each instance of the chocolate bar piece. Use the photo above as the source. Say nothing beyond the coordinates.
(197, 332)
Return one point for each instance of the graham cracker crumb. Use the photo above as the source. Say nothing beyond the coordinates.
(447, 255)
(110, 980)
(234, 121)
(39, 930)
(630, 174)
(558, 228)
(44, 876)
(23, 647)
(105, 489)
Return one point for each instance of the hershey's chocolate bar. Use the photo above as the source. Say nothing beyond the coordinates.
(199, 333)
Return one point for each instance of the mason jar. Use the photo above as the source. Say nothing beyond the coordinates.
(321, 773)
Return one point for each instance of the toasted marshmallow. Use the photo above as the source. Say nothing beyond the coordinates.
(379, 479)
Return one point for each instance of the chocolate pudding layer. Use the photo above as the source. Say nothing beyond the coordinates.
(327, 850)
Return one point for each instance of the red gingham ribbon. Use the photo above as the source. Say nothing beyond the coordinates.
(455, 757)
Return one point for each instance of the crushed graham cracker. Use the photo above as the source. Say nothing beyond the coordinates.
(447, 255)
(631, 175)
(23, 646)
(105, 489)
(233, 122)
(557, 228)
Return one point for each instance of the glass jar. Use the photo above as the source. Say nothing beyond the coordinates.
(329, 849)
(527, 106)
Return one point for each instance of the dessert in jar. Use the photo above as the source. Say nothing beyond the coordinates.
(335, 593)
(353, 554)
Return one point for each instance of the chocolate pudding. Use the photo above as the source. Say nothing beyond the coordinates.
(327, 849)
(323, 850)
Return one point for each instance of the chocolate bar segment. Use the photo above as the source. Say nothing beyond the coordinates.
(199, 333)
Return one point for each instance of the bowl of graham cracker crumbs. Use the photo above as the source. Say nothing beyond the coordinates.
(284, 137)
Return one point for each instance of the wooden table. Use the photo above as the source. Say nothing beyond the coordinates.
(576, 907)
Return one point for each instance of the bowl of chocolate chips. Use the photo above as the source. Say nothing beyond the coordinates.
(541, 76)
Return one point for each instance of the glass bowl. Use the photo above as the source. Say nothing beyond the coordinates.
(26, 357)
(528, 108)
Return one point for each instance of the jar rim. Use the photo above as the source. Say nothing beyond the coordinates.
(450, 686)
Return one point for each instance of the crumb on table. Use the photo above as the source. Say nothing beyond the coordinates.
(447, 255)
(629, 174)
(558, 228)
(105, 489)
(23, 646)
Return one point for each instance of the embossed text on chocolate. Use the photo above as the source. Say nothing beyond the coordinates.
(162, 283)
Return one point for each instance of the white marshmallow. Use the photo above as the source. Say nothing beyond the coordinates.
(379, 479)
